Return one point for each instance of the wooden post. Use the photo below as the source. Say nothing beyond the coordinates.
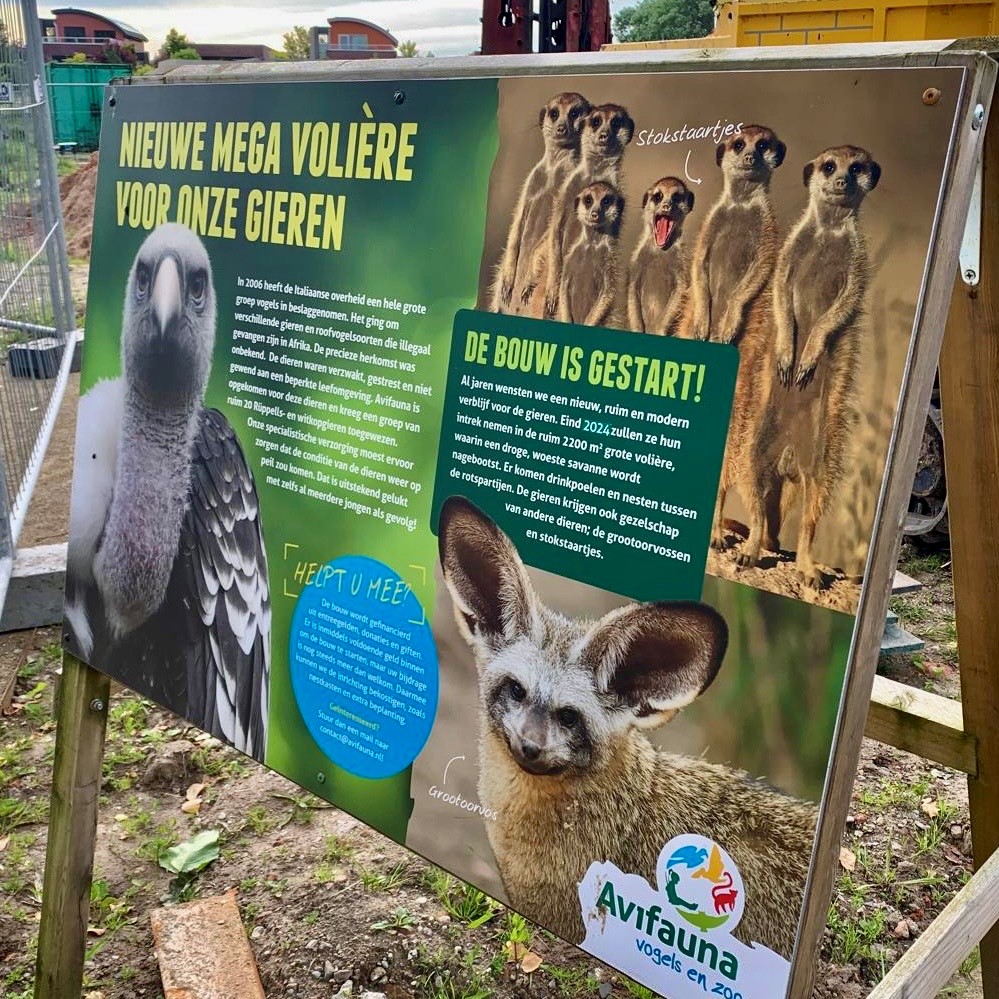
(969, 384)
(81, 721)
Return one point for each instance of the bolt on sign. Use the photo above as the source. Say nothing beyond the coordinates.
(504, 459)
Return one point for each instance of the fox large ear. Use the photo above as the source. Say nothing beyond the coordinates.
(494, 602)
(655, 659)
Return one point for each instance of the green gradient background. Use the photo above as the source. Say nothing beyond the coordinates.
(399, 241)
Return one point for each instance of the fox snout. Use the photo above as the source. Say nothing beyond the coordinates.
(539, 744)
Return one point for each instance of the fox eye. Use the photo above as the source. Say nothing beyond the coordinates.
(517, 692)
(738, 145)
(828, 168)
(567, 717)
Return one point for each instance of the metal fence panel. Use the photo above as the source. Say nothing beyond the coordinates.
(36, 312)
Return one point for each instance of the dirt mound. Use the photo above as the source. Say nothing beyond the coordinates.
(77, 192)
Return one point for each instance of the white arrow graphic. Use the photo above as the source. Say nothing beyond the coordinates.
(449, 762)
(686, 164)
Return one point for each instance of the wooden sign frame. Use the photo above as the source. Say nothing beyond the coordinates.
(970, 374)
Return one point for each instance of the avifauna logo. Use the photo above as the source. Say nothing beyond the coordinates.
(702, 883)
(676, 937)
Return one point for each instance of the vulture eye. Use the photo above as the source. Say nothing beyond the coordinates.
(199, 281)
(142, 280)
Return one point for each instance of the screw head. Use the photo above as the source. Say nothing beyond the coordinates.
(931, 95)
(399, 97)
(977, 117)
(96, 704)
(970, 275)
(321, 777)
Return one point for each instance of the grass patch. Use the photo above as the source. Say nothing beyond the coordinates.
(15, 813)
(374, 880)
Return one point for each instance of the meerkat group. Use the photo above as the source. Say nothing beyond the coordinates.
(792, 305)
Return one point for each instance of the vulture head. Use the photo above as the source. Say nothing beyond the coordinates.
(168, 329)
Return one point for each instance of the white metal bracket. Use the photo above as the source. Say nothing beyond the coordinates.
(971, 243)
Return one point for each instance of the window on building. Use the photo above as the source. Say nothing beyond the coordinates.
(104, 35)
(76, 33)
(352, 41)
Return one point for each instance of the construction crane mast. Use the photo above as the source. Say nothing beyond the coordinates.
(508, 26)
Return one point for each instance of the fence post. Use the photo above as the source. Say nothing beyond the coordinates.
(81, 724)
(969, 385)
(59, 285)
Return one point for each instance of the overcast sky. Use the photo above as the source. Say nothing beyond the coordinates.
(444, 27)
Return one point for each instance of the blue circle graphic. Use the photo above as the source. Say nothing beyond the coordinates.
(364, 666)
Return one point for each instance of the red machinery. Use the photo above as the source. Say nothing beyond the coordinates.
(563, 25)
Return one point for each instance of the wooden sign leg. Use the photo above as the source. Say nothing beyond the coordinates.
(81, 722)
(969, 383)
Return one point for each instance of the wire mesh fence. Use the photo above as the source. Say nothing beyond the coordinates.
(36, 314)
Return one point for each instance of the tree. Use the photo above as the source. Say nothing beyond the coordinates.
(173, 43)
(296, 43)
(654, 20)
(188, 52)
(76, 57)
(408, 50)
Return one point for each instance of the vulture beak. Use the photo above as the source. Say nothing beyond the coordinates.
(166, 299)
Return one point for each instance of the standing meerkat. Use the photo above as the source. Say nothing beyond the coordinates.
(606, 132)
(560, 120)
(818, 300)
(659, 267)
(738, 242)
(589, 278)
(564, 764)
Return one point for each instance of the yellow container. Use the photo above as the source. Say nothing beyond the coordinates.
(817, 22)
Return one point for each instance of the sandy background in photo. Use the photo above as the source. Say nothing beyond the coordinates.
(771, 711)
(880, 110)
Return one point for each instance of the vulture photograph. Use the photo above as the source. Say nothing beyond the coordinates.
(166, 583)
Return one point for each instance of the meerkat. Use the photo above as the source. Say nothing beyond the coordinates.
(606, 132)
(560, 120)
(564, 764)
(589, 278)
(818, 299)
(737, 244)
(659, 268)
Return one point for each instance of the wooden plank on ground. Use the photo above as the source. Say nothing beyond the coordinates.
(969, 388)
(203, 952)
(919, 722)
(933, 959)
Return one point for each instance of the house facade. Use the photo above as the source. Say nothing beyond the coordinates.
(351, 38)
(72, 30)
